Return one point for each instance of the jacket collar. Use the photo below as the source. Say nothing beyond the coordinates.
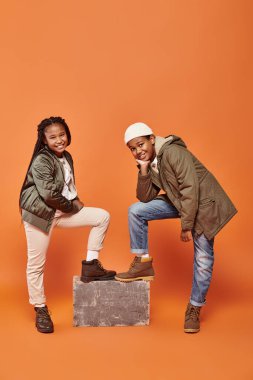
(160, 141)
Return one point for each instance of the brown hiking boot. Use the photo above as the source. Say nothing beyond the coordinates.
(43, 322)
(140, 269)
(191, 322)
(93, 271)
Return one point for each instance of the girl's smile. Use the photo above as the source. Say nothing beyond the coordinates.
(56, 138)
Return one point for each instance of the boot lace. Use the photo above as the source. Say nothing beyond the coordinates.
(43, 313)
(193, 312)
(100, 265)
(132, 265)
(133, 262)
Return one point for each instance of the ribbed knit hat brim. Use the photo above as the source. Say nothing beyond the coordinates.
(137, 130)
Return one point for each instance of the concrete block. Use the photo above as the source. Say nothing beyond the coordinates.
(111, 303)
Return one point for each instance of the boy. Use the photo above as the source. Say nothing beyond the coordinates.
(191, 193)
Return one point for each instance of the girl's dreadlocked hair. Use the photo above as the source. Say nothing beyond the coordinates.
(40, 140)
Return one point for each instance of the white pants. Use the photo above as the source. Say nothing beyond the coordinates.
(38, 241)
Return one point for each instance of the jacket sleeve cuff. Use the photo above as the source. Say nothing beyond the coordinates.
(143, 177)
(186, 226)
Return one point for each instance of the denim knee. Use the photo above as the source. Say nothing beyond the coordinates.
(135, 209)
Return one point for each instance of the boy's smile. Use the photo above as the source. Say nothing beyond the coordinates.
(56, 138)
(143, 148)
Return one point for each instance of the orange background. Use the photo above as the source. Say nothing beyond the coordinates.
(183, 67)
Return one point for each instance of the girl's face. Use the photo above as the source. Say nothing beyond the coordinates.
(56, 138)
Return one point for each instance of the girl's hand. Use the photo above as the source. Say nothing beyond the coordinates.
(77, 205)
(144, 165)
(186, 236)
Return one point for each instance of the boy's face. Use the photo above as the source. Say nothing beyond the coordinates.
(143, 148)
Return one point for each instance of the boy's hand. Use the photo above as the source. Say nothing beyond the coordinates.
(143, 166)
(186, 235)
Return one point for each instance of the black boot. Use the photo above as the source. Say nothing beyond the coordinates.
(94, 271)
(44, 322)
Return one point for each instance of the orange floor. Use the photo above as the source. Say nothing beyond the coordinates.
(222, 350)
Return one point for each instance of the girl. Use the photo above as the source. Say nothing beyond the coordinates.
(48, 198)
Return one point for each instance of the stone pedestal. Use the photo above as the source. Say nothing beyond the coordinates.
(111, 303)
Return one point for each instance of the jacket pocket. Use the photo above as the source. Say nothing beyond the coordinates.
(33, 207)
(206, 202)
(208, 216)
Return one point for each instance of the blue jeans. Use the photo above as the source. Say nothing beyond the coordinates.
(138, 217)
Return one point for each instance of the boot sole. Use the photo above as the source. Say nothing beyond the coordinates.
(191, 331)
(90, 279)
(147, 278)
(45, 331)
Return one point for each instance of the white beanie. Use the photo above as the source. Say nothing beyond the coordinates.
(137, 130)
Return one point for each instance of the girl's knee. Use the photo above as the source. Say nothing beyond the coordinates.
(105, 216)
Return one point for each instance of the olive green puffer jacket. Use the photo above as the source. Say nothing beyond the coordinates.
(200, 200)
(41, 195)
